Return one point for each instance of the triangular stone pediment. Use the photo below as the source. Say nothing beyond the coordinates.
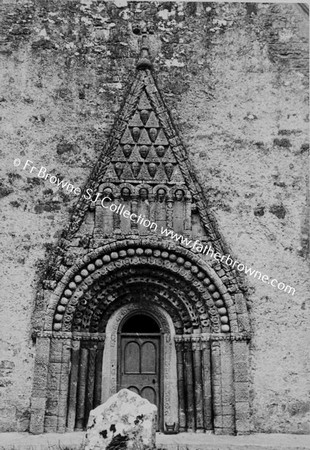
(144, 142)
(144, 148)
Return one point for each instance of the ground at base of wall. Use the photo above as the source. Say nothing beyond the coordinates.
(182, 441)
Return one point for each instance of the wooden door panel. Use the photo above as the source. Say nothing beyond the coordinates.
(148, 358)
(132, 358)
(149, 394)
(134, 389)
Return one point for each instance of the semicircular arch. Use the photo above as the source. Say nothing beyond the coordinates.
(176, 260)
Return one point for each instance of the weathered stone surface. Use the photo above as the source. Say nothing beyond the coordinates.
(125, 421)
(219, 66)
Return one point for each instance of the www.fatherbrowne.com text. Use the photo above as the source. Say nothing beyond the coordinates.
(197, 246)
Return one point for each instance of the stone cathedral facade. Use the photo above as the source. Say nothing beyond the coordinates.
(182, 129)
(126, 306)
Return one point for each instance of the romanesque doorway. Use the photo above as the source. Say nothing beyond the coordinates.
(156, 319)
(139, 358)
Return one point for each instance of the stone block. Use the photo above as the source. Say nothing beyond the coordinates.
(228, 409)
(218, 421)
(228, 421)
(242, 410)
(37, 415)
(217, 395)
(50, 424)
(242, 426)
(224, 431)
(124, 421)
(227, 394)
(241, 371)
(219, 431)
(243, 321)
(38, 403)
(39, 385)
(240, 304)
(241, 392)
(37, 422)
(52, 404)
(240, 351)
(56, 351)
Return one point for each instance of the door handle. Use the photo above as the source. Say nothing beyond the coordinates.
(154, 381)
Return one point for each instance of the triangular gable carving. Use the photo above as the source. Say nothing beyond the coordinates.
(144, 146)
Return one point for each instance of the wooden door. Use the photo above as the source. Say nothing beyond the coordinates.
(139, 366)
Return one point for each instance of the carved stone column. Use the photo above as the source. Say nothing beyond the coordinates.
(98, 374)
(178, 206)
(169, 203)
(64, 385)
(39, 392)
(228, 419)
(117, 217)
(198, 384)
(189, 383)
(53, 385)
(152, 210)
(81, 394)
(89, 397)
(188, 212)
(150, 213)
(241, 385)
(134, 210)
(85, 379)
(216, 386)
(74, 374)
(160, 210)
(181, 387)
(206, 383)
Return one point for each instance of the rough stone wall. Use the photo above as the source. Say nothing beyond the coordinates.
(235, 79)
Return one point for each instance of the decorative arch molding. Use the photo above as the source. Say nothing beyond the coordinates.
(179, 308)
(164, 256)
(109, 379)
(139, 276)
(150, 296)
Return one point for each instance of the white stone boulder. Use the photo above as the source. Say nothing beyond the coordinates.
(124, 421)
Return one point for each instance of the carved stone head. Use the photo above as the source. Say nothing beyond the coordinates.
(143, 193)
(125, 193)
(127, 149)
(135, 168)
(169, 170)
(144, 114)
(153, 134)
(119, 169)
(107, 192)
(136, 133)
(160, 150)
(152, 168)
(179, 195)
(144, 150)
(161, 194)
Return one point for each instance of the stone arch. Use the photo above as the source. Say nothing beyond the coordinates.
(197, 272)
(153, 298)
(122, 284)
(209, 336)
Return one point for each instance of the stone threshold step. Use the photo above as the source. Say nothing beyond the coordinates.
(182, 441)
